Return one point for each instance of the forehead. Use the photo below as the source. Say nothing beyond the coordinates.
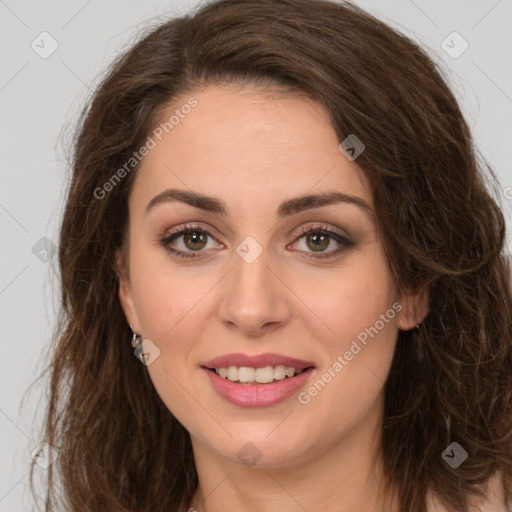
(246, 143)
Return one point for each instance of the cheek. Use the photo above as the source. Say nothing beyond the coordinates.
(358, 304)
(351, 299)
(166, 296)
(169, 308)
(363, 318)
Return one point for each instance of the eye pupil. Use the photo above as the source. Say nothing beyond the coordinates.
(321, 238)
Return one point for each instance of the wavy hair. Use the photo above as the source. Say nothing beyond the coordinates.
(451, 380)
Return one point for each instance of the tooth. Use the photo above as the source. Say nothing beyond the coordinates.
(290, 371)
(264, 375)
(246, 374)
(233, 373)
(279, 372)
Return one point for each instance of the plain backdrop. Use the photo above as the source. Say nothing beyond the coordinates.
(53, 53)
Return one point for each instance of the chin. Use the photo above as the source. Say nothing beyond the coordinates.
(264, 448)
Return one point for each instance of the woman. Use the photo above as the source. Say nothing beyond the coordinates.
(277, 207)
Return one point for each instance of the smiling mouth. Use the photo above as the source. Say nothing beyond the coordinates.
(261, 375)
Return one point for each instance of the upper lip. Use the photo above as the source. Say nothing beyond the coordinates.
(258, 361)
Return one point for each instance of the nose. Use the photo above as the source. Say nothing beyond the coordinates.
(255, 301)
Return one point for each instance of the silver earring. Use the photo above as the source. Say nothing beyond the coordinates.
(136, 339)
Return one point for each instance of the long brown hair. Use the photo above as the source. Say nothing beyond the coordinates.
(119, 447)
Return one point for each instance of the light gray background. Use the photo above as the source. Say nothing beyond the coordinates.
(40, 100)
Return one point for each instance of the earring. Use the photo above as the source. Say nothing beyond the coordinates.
(136, 339)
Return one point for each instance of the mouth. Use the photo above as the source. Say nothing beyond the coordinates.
(257, 394)
(258, 375)
(257, 380)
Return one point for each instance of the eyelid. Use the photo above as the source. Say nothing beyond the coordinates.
(190, 226)
(322, 227)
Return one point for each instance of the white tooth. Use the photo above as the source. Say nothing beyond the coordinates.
(279, 372)
(233, 373)
(290, 371)
(246, 374)
(264, 375)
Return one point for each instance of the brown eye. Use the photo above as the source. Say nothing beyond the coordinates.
(187, 243)
(194, 240)
(318, 241)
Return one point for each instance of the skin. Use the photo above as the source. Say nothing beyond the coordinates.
(268, 148)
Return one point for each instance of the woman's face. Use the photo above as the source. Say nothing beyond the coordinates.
(245, 282)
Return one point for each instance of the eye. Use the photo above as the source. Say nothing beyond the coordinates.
(192, 239)
(319, 238)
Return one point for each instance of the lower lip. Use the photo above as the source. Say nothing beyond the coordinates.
(257, 395)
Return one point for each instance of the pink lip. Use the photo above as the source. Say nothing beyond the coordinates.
(257, 395)
(259, 361)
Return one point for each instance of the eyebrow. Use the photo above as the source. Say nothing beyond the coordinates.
(286, 208)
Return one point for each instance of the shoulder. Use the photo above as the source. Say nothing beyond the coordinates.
(494, 500)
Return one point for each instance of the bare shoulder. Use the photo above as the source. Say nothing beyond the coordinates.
(494, 500)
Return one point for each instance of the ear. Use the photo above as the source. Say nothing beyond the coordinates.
(125, 294)
(414, 309)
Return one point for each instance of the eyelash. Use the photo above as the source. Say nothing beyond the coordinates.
(194, 228)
